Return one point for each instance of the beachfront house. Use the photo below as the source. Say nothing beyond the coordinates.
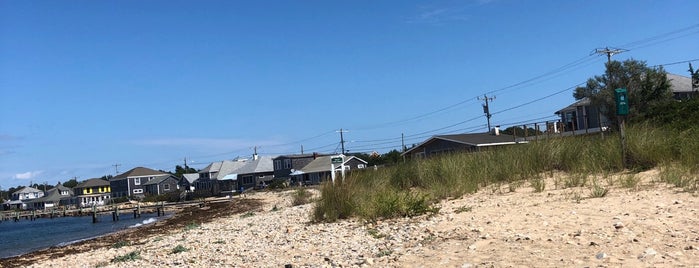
(321, 168)
(131, 183)
(54, 198)
(92, 192)
(257, 172)
(162, 184)
(229, 176)
(218, 178)
(470, 142)
(584, 115)
(187, 181)
(22, 198)
(286, 164)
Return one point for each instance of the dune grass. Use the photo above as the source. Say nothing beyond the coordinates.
(413, 188)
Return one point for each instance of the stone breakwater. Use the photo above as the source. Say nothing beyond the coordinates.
(655, 226)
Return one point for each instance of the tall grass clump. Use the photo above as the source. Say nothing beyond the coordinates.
(680, 176)
(301, 197)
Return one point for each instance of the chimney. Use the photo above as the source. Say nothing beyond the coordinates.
(255, 157)
(496, 131)
(315, 155)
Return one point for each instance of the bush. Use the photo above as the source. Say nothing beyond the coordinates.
(121, 244)
(278, 184)
(301, 197)
(131, 256)
(178, 249)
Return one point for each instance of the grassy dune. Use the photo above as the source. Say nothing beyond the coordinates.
(414, 187)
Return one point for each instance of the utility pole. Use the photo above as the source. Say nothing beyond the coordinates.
(116, 169)
(342, 139)
(621, 119)
(609, 52)
(301, 148)
(486, 108)
(402, 145)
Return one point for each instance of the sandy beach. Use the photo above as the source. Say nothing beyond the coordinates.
(651, 225)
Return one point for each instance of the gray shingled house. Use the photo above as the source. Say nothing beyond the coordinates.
(471, 142)
(161, 184)
(320, 169)
(131, 183)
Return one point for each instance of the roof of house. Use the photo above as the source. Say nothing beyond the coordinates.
(259, 165)
(27, 189)
(322, 164)
(160, 178)
(138, 172)
(60, 187)
(191, 177)
(319, 164)
(223, 168)
(472, 139)
(53, 195)
(680, 83)
(581, 102)
(92, 183)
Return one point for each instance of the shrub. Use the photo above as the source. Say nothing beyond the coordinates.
(191, 226)
(178, 249)
(598, 191)
(247, 214)
(539, 184)
(301, 197)
(121, 244)
(629, 181)
(131, 256)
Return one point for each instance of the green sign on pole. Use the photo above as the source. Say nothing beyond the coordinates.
(622, 101)
(336, 160)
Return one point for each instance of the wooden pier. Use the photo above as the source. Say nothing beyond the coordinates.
(117, 211)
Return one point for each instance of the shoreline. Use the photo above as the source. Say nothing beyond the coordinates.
(652, 224)
(179, 219)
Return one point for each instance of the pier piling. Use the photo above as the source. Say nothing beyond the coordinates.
(115, 214)
(94, 214)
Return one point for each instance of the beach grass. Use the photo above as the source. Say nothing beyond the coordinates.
(131, 256)
(415, 187)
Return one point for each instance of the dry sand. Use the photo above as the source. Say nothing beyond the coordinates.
(654, 225)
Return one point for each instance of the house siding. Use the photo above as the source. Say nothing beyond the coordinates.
(297, 162)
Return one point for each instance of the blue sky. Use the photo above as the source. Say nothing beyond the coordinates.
(85, 85)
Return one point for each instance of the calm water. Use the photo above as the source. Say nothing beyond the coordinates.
(25, 236)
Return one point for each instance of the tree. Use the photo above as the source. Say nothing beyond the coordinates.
(180, 170)
(695, 78)
(647, 88)
(71, 183)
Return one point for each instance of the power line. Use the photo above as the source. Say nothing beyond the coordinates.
(644, 42)
(673, 63)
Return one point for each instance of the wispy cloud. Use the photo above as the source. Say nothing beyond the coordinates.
(28, 175)
(448, 13)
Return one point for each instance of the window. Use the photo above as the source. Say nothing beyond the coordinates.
(247, 180)
(287, 163)
(137, 181)
(166, 187)
(137, 191)
(361, 166)
(277, 164)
